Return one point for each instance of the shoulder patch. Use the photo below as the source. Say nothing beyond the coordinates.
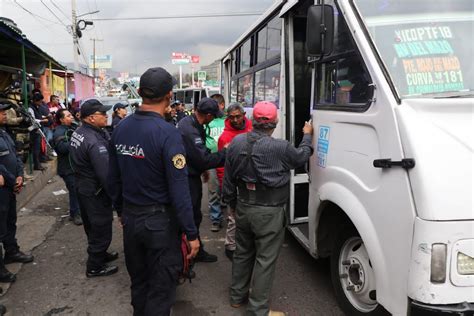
(179, 161)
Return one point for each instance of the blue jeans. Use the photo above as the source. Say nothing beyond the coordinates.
(214, 193)
(71, 187)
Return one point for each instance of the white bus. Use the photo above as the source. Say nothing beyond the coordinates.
(388, 192)
(191, 96)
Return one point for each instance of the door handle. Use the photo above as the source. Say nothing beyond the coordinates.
(406, 163)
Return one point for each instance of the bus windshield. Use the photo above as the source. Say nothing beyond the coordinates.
(426, 46)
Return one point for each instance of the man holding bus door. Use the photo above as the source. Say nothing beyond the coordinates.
(256, 185)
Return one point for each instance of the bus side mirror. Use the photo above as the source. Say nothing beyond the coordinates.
(320, 30)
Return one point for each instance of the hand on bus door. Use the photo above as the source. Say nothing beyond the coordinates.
(308, 128)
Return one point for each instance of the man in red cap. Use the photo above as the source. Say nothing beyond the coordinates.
(256, 185)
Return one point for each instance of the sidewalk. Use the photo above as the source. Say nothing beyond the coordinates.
(31, 229)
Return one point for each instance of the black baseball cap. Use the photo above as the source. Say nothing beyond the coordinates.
(91, 106)
(119, 106)
(209, 106)
(156, 83)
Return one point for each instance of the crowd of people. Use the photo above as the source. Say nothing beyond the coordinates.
(151, 170)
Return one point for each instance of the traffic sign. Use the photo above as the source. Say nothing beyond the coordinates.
(195, 59)
(202, 75)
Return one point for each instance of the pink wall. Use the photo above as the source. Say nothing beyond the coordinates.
(84, 86)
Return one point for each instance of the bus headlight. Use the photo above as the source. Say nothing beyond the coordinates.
(465, 264)
(438, 263)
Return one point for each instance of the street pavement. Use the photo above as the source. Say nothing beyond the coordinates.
(55, 284)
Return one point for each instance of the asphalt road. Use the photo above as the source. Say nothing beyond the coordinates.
(55, 284)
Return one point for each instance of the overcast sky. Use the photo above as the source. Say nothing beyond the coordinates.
(136, 45)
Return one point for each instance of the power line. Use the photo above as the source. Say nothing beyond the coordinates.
(60, 10)
(53, 13)
(167, 17)
(35, 15)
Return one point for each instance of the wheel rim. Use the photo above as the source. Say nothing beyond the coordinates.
(356, 275)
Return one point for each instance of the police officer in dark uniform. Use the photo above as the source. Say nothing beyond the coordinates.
(120, 111)
(11, 169)
(200, 158)
(148, 175)
(256, 185)
(90, 159)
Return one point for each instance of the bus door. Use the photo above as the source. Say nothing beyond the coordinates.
(298, 110)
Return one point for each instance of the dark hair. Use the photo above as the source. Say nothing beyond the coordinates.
(235, 106)
(218, 97)
(59, 115)
(52, 97)
(265, 126)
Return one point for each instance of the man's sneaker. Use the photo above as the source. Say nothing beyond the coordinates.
(204, 256)
(111, 256)
(229, 254)
(216, 227)
(6, 276)
(17, 256)
(105, 271)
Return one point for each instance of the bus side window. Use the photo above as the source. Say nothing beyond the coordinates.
(342, 80)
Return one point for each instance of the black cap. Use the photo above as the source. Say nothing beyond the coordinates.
(5, 105)
(156, 83)
(91, 106)
(119, 106)
(209, 106)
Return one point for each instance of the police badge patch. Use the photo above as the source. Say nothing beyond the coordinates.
(179, 161)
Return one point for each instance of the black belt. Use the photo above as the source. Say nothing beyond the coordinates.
(144, 209)
(259, 194)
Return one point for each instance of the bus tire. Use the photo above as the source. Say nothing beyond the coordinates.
(352, 275)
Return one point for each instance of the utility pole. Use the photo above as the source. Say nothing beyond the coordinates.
(93, 54)
(75, 45)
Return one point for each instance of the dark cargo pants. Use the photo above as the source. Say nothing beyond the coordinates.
(153, 258)
(97, 217)
(259, 236)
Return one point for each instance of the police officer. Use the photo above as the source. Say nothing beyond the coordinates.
(120, 111)
(11, 169)
(89, 156)
(148, 176)
(200, 158)
(256, 185)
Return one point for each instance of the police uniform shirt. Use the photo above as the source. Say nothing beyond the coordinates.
(273, 159)
(11, 163)
(199, 156)
(90, 158)
(11, 167)
(148, 166)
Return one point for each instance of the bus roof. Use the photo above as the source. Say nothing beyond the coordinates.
(270, 11)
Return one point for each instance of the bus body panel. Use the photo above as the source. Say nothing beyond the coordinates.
(439, 135)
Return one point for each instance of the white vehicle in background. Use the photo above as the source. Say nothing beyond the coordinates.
(191, 96)
(388, 193)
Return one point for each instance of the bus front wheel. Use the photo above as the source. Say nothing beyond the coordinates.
(352, 275)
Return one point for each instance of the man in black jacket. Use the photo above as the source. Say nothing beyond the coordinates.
(62, 138)
(11, 170)
(90, 160)
(200, 158)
